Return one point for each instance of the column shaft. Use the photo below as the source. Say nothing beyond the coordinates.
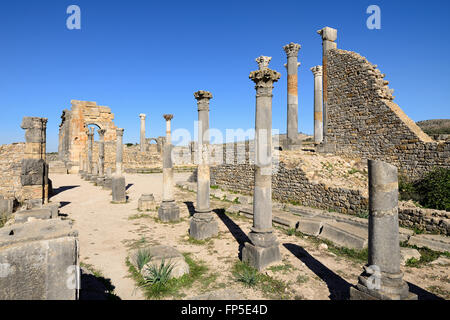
(119, 152)
(142, 140)
(318, 104)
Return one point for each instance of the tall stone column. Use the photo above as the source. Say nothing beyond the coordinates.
(292, 65)
(168, 211)
(318, 104)
(101, 157)
(203, 225)
(34, 175)
(263, 249)
(329, 36)
(90, 153)
(382, 278)
(119, 151)
(142, 141)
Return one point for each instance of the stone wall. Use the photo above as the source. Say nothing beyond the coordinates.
(364, 122)
(11, 156)
(427, 220)
(291, 185)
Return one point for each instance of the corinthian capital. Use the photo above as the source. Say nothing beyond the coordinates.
(264, 77)
(263, 62)
(201, 94)
(292, 49)
(168, 117)
(317, 71)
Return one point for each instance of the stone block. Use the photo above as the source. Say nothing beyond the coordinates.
(146, 203)
(433, 242)
(309, 226)
(159, 253)
(345, 235)
(6, 207)
(33, 172)
(100, 181)
(408, 253)
(358, 294)
(169, 211)
(119, 190)
(107, 184)
(245, 199)
(39, 260)
(261, 257)
(203, 226)
(42, 214)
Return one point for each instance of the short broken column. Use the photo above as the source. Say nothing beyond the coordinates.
(318, 104)
(292, 65)
(118, 185)
(168, 211)
(329, 36)
(90, 163)
(34, 175)
(101, 157)
(203, 225)
(263, 249)
(382, 277)
(142, 140)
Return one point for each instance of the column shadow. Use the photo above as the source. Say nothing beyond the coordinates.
(129, 186)
(191, 208)
(62, 189)
(422, 294)
(339, 288)
(240, 236)
(95, 288)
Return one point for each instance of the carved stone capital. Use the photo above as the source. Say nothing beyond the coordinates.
(317, 71)
(168, 117)
(119, 132)
(264, 77)
(263, 62)
(142, 116)
(292, 49)
(201, 94)
(101, 133)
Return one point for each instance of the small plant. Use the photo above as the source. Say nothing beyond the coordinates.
(159, 276)
(247, 275)
(142, 257)
(363, 214)
(302, 279)
(290, 232)
(215, 187)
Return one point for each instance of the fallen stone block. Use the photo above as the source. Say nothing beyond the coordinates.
(408, 253)
(159, 253)
(345, 235)
(285, 219)
(245, 199)
(39, 260)
(231, 197)
(146, 203)
(6, 207)
(433, 242)
(119, 190)
(441, 261)
(24, 215)
(309, 226)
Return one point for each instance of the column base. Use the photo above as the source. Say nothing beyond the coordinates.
(87, 177)
(169, 211)
(390, 287)
(93, 178)
(107, 184)
(203, 226)
(119, 190)
(100, 181)
(262, 252)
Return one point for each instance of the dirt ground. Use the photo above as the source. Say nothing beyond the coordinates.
(107, 232)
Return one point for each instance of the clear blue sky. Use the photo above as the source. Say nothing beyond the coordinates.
(151, 56)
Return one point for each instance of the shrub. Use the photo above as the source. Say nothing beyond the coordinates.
(142, 258)
(159, 276)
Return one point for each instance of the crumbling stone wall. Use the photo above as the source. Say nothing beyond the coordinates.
(427, 220)
(291, 185)
(11, 156)
(364, 122)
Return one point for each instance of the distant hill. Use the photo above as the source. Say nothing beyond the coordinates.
(435, 126)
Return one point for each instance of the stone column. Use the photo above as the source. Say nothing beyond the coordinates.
(101, 157)
(329, 36)
(203, 225)
(118, 184)
(34, 175)
(318, 104)
(292, 65)
(90, 152)
(168, 211)
(119, 151)
(142, 143)
(382, 278)
(263, 249)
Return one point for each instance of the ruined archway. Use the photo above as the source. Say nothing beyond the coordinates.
(73, 130)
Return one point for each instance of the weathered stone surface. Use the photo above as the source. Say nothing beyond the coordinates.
(146, 202)
(24, 215)
(408, 253)
(170, 255)
(203, 226)
(119, 190)
(34, 172)
(345, 235)
(261, 257)
(169, 211)
(39, 260)
(6, 207)
(433, 242)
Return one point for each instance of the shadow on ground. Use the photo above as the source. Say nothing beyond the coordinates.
(95, 288)
(422, 294)
(62, 189)
(191, 208)
(234, 229)
(339, 288)
(129, 186)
